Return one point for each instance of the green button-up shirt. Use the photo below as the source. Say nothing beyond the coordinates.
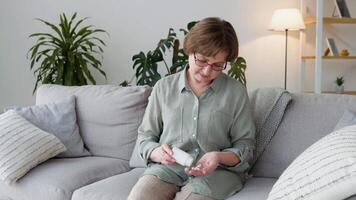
(219, 120)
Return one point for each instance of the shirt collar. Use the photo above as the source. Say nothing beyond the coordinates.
(183, 83)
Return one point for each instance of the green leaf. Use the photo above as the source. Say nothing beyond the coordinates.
(167, 42)
(77, 25)
(92, 59)
(64, 26)
(238, 69)
(56, 29)
(34, 49)
(71, 20)
(191, 24)
(101, 41)
(87, 72)
(65, 56)
(146, 69)
(124, 83)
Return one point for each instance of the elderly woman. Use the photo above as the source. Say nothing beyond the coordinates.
(203, 112)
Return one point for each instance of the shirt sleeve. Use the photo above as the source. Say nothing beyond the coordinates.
(151, 127)
(242, 135)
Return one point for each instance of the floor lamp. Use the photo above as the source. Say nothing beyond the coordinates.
(289, 19)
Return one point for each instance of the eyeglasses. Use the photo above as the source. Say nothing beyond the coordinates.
(204, 63)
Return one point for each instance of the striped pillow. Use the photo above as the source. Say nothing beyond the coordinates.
(326, 170)
(23, 146)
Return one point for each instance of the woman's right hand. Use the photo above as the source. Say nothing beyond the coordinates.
(163, 154)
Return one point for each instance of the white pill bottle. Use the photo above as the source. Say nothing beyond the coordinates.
(182, 157)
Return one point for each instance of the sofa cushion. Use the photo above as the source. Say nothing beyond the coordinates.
(255, 189)
(113, 188)
(56, 179)
(58, 118)
(108, 115)
(347, 119)
(308, 118)
(326, 170)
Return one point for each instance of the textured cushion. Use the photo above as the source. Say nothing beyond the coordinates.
(108, 115)
(56, 179)
(326, 170)
(116, 187)
(255, 189)
(58, 118)
(308, 118)
(347, 119)
(23, 146)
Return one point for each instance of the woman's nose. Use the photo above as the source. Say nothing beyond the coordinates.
(207, 70)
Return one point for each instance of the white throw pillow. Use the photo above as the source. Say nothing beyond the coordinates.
(326, 170)
(23, 146)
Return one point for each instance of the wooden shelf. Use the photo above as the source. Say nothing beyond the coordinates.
(331, 92)
(345, 92)
(330, 57)
(319, 21)
(331, 20)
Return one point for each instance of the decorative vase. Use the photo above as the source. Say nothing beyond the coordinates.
(339, 89)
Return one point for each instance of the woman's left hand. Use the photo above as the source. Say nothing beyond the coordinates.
(206, 165)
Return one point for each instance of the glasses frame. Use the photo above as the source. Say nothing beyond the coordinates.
(213, 66)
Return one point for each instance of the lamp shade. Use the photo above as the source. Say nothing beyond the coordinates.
(287, 19)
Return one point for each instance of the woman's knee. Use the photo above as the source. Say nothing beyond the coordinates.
(187, 194)
(151, 187)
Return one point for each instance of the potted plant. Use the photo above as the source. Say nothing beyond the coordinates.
(66, 56)
(146, 64)
(339, 88)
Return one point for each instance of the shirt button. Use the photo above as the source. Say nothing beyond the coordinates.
(193, 135)
(196, 150)
(195, 118)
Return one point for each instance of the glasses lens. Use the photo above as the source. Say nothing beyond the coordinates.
(201, 63)
(204, 63)
(218, 67)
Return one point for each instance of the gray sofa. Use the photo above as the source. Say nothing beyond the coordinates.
(108, 117)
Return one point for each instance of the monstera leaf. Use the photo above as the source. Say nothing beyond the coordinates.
(238, 69)
(146, 68)
(179, 60)
(167, 43)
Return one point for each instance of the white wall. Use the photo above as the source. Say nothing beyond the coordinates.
(136, 25)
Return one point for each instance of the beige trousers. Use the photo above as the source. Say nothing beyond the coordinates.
(149, 187)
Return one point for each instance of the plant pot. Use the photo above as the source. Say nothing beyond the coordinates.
(339, 89)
